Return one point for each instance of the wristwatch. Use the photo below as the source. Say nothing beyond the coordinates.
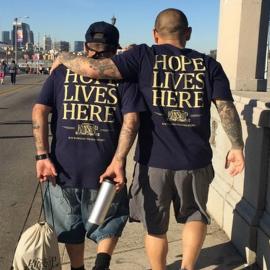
(42, 156)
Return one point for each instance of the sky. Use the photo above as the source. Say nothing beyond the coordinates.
(69, 19)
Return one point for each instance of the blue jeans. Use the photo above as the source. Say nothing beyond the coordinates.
(68, 210)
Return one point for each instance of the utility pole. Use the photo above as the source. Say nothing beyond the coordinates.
(268, 58)
(113, 20)
(16, 40)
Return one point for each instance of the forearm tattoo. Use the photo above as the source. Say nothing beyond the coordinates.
(127, 136)
(38, 137)
(35, 125)
(230, 122)
(94, 68)
(105, 68)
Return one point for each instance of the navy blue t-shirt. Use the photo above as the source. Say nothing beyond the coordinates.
(87, 116)
(178, 86)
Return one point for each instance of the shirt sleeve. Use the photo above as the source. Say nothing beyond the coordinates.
(46, 95)
(131, 98)
(128, 63)
(220, 84)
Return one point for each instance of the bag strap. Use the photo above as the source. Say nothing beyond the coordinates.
(47, 189)
(29, 211)
(42, 205)
(27, 216)
(41, 209)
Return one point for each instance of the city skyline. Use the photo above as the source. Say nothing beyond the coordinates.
(64, 21)
(45, 43)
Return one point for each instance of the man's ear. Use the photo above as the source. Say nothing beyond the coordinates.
(188, 33)
(88, 53)
(155, 36)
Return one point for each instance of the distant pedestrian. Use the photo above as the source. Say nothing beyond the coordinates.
(27, 69)
(3, 67)
(13, 68)
(40, 69)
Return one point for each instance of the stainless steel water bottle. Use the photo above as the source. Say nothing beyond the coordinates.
(103, 202)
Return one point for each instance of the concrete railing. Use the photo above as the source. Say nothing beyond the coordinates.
(241, 204)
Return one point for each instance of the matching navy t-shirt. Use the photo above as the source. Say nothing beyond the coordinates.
(86, 120)
(178, 86)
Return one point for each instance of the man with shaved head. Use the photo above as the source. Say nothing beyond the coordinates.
(173, 155)
(171, 23)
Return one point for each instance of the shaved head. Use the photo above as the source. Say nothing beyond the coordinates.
(171, 23)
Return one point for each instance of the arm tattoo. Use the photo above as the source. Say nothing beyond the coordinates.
(230, 122)
(35, 125)
(94, 68)
(36, 133)
(105, 68)
(127, 135)
(40, 131)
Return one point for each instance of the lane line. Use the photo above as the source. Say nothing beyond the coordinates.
(16, 89)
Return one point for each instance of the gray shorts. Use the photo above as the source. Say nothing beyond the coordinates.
(153, 190)
(68, 210)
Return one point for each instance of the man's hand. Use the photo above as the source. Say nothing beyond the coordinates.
(46, 171)
(56, 63)
(115, 171)
(235, 162)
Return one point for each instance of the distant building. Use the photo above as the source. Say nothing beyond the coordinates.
(47, 43)
(29, 47)
(23, 34)
(61, 46)
(6, 37)
(78, 46)
(32, 37)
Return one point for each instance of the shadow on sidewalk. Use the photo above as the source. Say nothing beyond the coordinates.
(219, 257)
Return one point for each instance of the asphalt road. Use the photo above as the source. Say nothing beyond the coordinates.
(17, 172)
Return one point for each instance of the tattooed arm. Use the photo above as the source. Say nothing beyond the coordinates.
(127, 135)
(232, 127)
(44, 168)
(40, 115)
(93, 68)
(116, 169)
(230, 122)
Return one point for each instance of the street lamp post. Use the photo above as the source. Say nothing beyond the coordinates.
(16, 37)
(113, 20)
(268, 58)
(7, 53)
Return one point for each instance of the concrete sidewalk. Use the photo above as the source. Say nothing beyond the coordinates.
(217, 253)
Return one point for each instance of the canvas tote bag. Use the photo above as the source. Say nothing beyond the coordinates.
(38, 246)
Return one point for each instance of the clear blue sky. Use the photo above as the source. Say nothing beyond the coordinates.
(68, 19)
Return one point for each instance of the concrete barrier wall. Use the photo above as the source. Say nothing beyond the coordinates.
(241, 204)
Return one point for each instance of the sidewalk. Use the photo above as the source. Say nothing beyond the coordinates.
(217, 253)
(129, 254)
